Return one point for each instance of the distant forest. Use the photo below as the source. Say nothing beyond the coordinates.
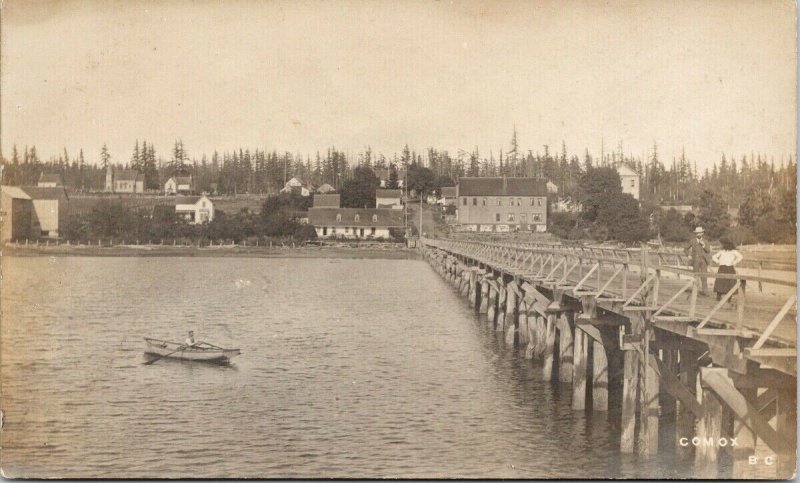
(758, 185)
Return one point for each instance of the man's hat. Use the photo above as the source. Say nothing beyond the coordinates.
(699, 230)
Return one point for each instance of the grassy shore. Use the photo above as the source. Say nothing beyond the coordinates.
(354, 252)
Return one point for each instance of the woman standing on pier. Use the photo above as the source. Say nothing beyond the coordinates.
(727, 259)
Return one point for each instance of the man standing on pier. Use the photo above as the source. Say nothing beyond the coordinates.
(699, 251)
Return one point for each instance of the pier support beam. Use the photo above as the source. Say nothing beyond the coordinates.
(523, 330)
(484, 307)
(599, 376)
(685, 419)
(709, 427)
(540, 337)
(549, 343)
(491, 311)
(580, 354)
(511, 313)
(648, 406)
(501, 306)
(630, 387)
(787, 427)
(745, 442)
(566, 349)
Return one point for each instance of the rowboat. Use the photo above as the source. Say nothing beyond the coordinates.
(202, 351)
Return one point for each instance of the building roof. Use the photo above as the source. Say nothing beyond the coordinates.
(51, 178)
(128, 175)
(14, 192)
(387, 193)
(383, 173)
(501, 187)
(325, 188)
(327, 217)
(626, 171)
(327, 201)
(449, 191)
(182, 179)
(37, 193)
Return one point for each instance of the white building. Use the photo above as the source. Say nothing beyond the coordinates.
(386, 198)
(630, 180)
(355, 222)
(295, 186)
(195, 209)
(179, 185)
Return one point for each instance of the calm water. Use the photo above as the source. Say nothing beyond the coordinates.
(365, 368)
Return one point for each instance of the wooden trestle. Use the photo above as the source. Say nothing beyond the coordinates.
(719, 380)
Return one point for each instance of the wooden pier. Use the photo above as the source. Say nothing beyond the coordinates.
(709, 377)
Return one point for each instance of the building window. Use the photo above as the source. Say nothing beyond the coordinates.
(464, 201)
(519, 201)
(511, 217)
(499, 201)
(537, 217)
(358, 218)
(633, 183)
(539, 202)
(532, 201)
(324, 231)
(338, 217)
(374, 219)
(497, 217)
(523, 218)
(484, 202)
(474, 201)
(372, 231)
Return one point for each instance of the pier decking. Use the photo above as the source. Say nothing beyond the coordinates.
(632, 323)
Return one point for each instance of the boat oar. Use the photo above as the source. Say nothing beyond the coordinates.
(212, 345)
(165, 355)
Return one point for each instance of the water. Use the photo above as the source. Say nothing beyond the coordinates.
(361, 368)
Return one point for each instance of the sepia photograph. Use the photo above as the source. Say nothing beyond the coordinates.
(426, 239)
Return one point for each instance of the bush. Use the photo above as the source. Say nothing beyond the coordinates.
(770, 230)
(305, 233)
(742, 235)
(673, 227)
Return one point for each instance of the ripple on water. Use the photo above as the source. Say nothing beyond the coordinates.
(367, 368)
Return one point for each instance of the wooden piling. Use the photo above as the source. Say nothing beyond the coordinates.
(566, 349)
(786, 425)
(522, 323)
(599, 377)
(491, 311)
(550, 342)
(630, 389)
(580, 354)
(685, 419)
(648, 406)
(745, 442)
(540, 335)
(511, 314)
(709, 428)
(484, 296)
(500, 325)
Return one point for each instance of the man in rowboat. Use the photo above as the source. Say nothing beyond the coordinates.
(190, 342)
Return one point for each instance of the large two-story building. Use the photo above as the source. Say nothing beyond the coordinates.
(502, 204)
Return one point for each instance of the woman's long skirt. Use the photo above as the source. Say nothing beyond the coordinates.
(723, 285)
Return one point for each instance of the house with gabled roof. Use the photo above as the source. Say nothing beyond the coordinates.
(388, 198)
(179, 185)
(124, 181)
(629, 179)
(502, 204)
(355, 222)
(50, 180)
(195, 209)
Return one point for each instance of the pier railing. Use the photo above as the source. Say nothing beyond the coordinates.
(646, 280)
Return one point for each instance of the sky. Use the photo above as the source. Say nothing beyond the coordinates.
(710, 77)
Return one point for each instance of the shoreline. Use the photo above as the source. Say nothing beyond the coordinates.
(371, 252)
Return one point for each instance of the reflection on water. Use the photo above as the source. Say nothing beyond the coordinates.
(365, 368)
